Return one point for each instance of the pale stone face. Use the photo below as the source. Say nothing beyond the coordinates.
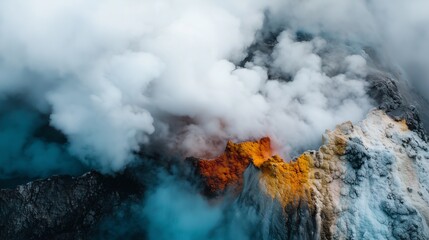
(357, 183)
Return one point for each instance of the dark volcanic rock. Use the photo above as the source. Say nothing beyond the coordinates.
(61, 207)
(301, 221)
(398, 101)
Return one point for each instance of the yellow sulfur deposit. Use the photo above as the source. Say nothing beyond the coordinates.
(287, 181)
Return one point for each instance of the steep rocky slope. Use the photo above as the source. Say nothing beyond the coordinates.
(367, 181)
(61, 207)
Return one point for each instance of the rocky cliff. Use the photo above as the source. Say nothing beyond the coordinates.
(367, 181)
(62, 207)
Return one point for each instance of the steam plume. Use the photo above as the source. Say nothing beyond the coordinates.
(113, 76)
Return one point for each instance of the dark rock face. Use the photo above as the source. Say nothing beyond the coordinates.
(61, 207)
(300, 221)
(398, 101)
(356, 153)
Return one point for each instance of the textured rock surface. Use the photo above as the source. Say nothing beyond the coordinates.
(61, 207)
(367, 181)
(376, 186)
(398, 101)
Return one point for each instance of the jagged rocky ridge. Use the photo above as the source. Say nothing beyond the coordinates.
(367, 181)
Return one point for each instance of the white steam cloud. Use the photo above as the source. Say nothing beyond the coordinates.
(115, 74)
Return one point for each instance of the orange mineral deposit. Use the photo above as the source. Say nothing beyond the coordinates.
(286, 181)
(227, 169)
